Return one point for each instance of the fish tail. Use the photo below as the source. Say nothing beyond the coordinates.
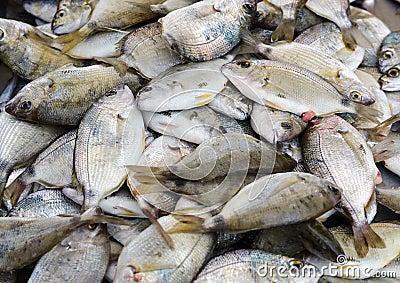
(348, 39)
(365, 237)
(187, 223)
(118, 65)
(284, 31)
(70, 40)
(13, 192)
(159, 9)
(155, 172)
(248, 42)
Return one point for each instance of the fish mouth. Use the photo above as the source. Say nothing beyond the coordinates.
(368, 101)
(9, 108)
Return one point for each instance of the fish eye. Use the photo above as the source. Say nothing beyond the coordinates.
(2, 33)
(243, 64)
(248, 8)
(92, 226)
(111, 92)
(296, 263)
(393, 73)
(356, 96)
(25, 106)
(259, 14)
(387, 54)
(333, 188)
(286, 125)
(60, 14)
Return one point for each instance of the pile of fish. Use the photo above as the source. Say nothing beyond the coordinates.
(198, 141)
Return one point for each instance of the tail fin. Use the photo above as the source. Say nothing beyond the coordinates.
(12, 193)
(118, 65)
(383, 150)
(157, 172)
(284, 31)
(248, 42)
(365, 237)
(348, 39)
(187, 223)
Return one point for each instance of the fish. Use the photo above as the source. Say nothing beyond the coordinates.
(389, 52)
(193, 125)
(98, 15)
(63, 96)
(220, 156)
(53, 168)
(71, 15)
(329, 68)
(121, 203)
(388, 152)
(144, 50)
(232, 103)
(259, 205)
(335, 11)
(390, 80)
(184, 86)
(110, 136)
(285, 29)
(251, 265)
(45, 203)
(171, 5)
(327, 38)
(32, 57)
(387, 193)
(157, 262)
(21, 142)
(39, 235)
(87, 248)
(323, 142)
(123, 233)
(211, 29)
(350, 264)
(269, 16)
(369, 34)
(275, 125)
(266, 82)
(42, 9)
(237, 126)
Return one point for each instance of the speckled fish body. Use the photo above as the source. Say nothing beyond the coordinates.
(110, 136)
(63, 96)
(23, 51)
(208, 29)
(82, 256)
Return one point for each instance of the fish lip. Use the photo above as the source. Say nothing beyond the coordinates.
(368, 101)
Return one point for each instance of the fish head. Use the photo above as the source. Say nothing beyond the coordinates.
(289, 129)
(388, 57)
(359, 93)
(70, 17)
(11, 32)
(28, 103)
(390, 81)
(244, 9)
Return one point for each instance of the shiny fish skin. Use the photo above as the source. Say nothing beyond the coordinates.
(147, 258)
(145, 50)
(110, 135)
(184, 86)
(45, 203)
(243, 266)
(171, 5)
(123, 233)
(323, 142)
(224, 154)
(276, 84)
(71, 15)
(25, 239)
(63, 96)
(285, 29)
(31, 58)
(212, 28)
(81, 257)
(389, 53)
(121, 203)
(261, 204)
(275, 125)
(326, 37)
(20, 143)
(390, 81)
(193, 125)
(43, 9)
